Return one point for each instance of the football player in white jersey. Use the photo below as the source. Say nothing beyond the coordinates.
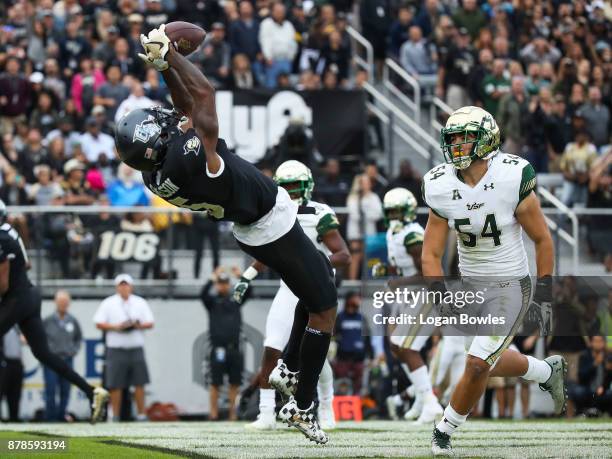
(320, 224)
(487, 197)
(404, 244)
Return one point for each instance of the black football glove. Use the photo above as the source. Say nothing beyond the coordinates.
(541, 307)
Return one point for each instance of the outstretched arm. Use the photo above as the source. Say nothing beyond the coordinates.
(203, 111)
(181, 98)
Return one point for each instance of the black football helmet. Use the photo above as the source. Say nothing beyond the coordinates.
(142, 136)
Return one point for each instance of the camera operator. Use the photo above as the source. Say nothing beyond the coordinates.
(297, 143)
(123, 317)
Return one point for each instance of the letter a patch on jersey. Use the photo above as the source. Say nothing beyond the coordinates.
(456, 195)
(192, 146)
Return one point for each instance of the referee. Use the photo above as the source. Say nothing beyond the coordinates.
(225, 321)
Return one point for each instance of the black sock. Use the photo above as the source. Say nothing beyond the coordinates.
(313, 353)
(291, 357)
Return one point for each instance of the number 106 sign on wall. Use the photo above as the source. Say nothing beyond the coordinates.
(126, 246)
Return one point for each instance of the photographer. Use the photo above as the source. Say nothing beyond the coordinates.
(297, 143)
(123, 317)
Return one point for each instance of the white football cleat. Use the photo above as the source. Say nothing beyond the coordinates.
(415, 410)
(441, 444)
(327, 419)
(432, 411)
(263, 422)
(283, 380)
(303, 420)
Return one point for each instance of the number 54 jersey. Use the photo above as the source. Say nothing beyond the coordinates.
(489, 238)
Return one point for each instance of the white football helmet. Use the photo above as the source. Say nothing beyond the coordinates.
(399, 204)
(485, 136)
(297, 179)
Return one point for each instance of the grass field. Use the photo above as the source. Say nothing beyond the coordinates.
(525, 439)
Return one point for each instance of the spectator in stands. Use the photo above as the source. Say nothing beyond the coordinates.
(375, 22)
(105, 49)
(495, 85)
(511, 114)
(95, 143)
(136, 99)
(429, 16)
(14, 96)
(84, 86)
(278, 45)
(44, 191)
(597, 117)
(351, 350)
(455, 70)
(539, 50)
(242, 76)
(73, 49)
(409, 179)
(398, 34)
(558, 130)
(33, 153)
(124, 317)
(377, 180)
(128, 190)
(44, 117)
(104, 221)
(112, 92)
(536, 146)
(11, 372)
(244, 33)
(471, 17)
(53, 80)
(576, 162)
(593, 393)
(214, 56)
(154, 89)
(65, 131)
(64, 336)
(600, 196)
(482, 69)
(76, 190)
(224, 322)
(331, 188)
(364, 211)
(336, 57)
(418, 57)
(126, 61)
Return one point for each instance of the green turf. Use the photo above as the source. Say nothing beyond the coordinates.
(368, 439)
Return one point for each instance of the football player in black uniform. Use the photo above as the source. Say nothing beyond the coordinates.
(184, 161)
(21, 303)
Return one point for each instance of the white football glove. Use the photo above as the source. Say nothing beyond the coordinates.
(156, 47)
(379, 270)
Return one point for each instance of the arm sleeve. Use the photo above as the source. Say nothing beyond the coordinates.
(327, 223)
(100, 316)
(528, 182)
(412, 239)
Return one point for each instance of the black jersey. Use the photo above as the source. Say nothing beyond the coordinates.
(241, 193)
(12, 249)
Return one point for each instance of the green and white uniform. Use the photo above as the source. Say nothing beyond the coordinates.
(489, 238)
(400, 238)
(316, 220)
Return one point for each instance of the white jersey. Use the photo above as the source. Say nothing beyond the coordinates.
(400, 237)
(489, 238)
(316, 220)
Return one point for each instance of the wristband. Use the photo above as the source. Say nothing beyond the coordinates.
(250, 273)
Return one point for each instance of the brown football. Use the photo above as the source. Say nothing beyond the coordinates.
(185, 36)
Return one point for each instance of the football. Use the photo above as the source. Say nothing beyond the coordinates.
(185, 36)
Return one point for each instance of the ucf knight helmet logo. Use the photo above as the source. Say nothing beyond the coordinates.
(146, 130)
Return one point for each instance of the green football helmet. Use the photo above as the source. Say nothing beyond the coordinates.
(400, 205)
(297, 179)
(478, 127)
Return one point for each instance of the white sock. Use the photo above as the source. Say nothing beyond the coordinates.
(538, 370)
(410, 391)
(420, 380)
(397, 400)
(267, 402)
(325, 387)
(451, 421)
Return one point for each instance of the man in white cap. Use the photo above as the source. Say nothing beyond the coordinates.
(123, 317)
